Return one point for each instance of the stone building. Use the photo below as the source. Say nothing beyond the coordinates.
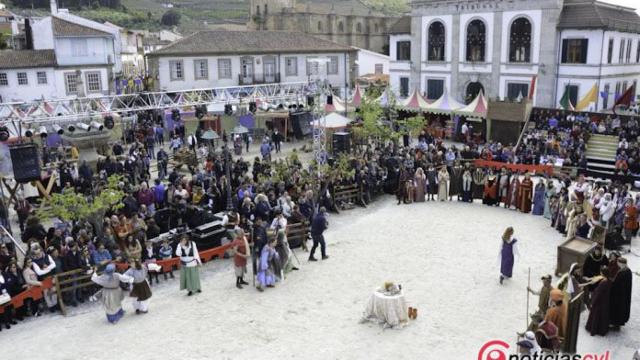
(346, 22)
(500, 46)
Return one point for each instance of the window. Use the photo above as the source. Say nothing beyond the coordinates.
(258, 10)
(319, 25)
(617, 93)
(4, 80)
(332, 65)
(621, 53)
(379, 69)
(376, 28)
(610, 52)
(403, 50)
(42, 78)
(476, 34)
(520, 41)
(176, 68)
(436, 42)
(79, 47)
(435, 88)
(291, 66)
(23, 79)
(624, 86)
(574, 51)
(201, 69)
(358, 28)
(341, 27)
(71, 83)
(313, 67)
(638, 52)
(628, 51)
(404, 86)
(473, 89)
(94, 83)
(605, 99)
(224, 68)
(517, 90)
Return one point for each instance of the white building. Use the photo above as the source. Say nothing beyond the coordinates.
(153, 41)
(371, 62)
(27, 75)
(501, 46)
(230, 58)
(132, 53)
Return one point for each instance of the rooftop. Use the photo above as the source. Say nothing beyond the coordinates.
(402, 26)
(20, 59)
(593, 14)
(63, 27)
(249, 42)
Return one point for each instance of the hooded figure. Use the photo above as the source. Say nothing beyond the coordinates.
(529, 345)
(112, 294)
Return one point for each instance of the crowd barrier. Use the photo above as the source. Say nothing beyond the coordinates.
(74, 279)
(546, 169)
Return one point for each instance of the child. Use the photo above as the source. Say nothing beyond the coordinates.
(165, 253)
(149, 257)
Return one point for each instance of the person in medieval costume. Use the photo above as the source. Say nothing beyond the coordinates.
(507, 252)
(478, 183)
(580, 188)
(525, 193)
(432, 182)
(572, 282)
(554, 206)
(403, 176)
(409, 191)
(420, 181)
(189, 263)
(573, 220)
(621, 295)
(549, 192)
(455, 185)
(443, 184)
(599, 316)
(467, 185)
(595, 205)
(266, 266)
(557, 312)
(544, 295)
(284, 253)
(514, 189)
(490, 194)
(594, 262)
(111, 294)
(140, 289)
(529, 345)
(503, 186)
(561, 218)
(547, 336)
(538, 198)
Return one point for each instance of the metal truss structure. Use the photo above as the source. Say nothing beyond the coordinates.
(49, 112)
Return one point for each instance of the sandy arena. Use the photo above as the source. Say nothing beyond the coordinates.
(445, 255)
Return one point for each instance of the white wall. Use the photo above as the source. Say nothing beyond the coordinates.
(43, 34)
(60, 81)
(367, 61)
(189, 81)
(31, 91)
(98, 51)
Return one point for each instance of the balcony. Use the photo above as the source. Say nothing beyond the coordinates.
(256, 79)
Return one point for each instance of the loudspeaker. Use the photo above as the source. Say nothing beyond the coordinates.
(26, 163)
(253, 107)
(309, 100)
(301, 123)
(329, 99)
(108, 122)
(341, 142)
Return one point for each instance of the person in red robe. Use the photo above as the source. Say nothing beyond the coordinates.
(599, 316)
(525, 193)
(514, 188)
(490, 193)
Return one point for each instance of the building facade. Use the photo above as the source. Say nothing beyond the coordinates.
(503, 48)
(348, 23)
(209, 59)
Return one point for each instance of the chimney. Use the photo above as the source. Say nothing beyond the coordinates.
(54, 6)
(28, 34)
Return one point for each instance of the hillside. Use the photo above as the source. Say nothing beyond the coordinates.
(194, 14)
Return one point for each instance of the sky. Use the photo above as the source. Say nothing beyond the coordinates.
(629, 3)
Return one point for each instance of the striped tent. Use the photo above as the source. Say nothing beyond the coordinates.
(477, 108)
(414, 102)
(386, 99)
(356, 100)
(445, 105)
(337, 106)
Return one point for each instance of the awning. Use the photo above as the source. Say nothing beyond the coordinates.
(337, 106)
(478, 107)
(414, 102)
(445, 105)
(333, 121)
(356, 100)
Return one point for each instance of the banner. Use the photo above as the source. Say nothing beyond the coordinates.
(544, 169)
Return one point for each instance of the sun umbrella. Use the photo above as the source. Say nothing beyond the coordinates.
(210, 135)
(240, 130)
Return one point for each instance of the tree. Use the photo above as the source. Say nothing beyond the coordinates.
(170, 18)
(71, 206)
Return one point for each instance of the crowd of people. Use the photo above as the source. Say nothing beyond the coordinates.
(263, 197)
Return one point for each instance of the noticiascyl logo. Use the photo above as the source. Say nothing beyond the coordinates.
(493, 350)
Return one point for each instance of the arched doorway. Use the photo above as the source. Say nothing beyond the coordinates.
(473, 89)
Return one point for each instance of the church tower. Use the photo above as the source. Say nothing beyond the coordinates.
(262, 13)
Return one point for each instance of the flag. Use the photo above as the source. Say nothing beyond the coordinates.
(565, 103)
(590, 97)
(532, 88)
(626, 98)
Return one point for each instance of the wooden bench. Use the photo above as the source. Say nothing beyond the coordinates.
(350, 194)
(70, 281)
(297, 235)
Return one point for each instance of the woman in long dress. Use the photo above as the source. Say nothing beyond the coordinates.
(420, 181)
(141, 290)
(507, 254)
(443, 184)
(111, 294)
(266, 269)
(467, 186)
(189, 260)
(432, 182)
(538, 199)
(548, 194)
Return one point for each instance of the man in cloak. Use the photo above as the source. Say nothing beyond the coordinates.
(514, 189)
(599, 317)
(525, 193)
(557, 313)
(592, 264)
(503, 187)
(621, 295)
